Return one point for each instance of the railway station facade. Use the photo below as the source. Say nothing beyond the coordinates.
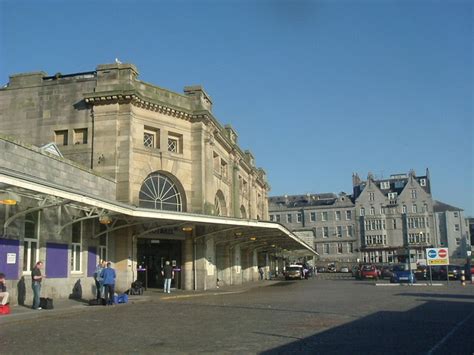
(101, 165)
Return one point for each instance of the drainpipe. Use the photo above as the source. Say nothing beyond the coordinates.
(92, 137)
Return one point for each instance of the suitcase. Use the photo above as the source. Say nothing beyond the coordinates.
(4, 309)
(46, 303)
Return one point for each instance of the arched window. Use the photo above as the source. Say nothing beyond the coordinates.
(243, 213)
(159, 192)
(219, 204)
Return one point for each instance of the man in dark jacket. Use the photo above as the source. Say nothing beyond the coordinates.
(168, 274)
(3, 290)
(36, 278)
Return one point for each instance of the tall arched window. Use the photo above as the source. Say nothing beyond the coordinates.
(219, 204)
(160, 193)
(243, 213)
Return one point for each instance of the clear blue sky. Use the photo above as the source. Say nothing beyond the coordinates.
(316, 90)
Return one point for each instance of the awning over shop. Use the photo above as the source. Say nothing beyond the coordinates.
(263, 235)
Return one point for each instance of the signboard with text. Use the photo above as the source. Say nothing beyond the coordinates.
(437, 256)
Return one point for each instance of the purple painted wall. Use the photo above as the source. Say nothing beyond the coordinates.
(91, 261)
(56, 260)
(9, 246)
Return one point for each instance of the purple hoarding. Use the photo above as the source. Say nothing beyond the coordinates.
(56, 260)
(9, 258)
(91, 261)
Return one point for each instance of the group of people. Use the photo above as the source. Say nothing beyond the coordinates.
(104, 277)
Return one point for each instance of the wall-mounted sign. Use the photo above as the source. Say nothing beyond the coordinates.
(11, 258)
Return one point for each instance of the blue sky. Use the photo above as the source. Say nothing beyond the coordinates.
(316, 90)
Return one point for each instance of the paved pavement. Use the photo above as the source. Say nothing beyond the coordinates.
(316, 316)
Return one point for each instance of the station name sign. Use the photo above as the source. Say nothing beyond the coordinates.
(437, 256)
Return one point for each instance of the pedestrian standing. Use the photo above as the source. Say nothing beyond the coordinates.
(98, 279)
(36, 279)
(3, 290)
(108, 279)
(168, 274)
(260, 271)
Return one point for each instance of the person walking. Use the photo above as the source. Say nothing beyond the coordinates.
(108, 279)
(36, 279)
(3, 290)
(261, 272)
(168, 274)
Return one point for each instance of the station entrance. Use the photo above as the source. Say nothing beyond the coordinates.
(151, 257)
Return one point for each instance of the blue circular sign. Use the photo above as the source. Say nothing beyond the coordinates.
(432, 253)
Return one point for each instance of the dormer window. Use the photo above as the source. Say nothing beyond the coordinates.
(422, 182)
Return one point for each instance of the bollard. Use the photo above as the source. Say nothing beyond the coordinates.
(463, 278)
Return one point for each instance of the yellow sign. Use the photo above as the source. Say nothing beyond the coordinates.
(438, 261)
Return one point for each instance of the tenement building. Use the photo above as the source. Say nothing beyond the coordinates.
(102, 165)
(325, 220)
(395, 217)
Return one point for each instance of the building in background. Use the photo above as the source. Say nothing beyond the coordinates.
(453, 231)
(394, 217)
(325, 221)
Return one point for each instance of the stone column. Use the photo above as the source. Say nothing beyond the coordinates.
(187, 267)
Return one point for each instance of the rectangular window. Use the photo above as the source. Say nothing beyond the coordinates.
(339, 248)
(151, 138)
(362, 211)
(350, 231)
(338, 215)
(372, 211)
(456, 227)
(288, 218)
(348, 215)
(392, 195)
(325, 232)
(312, 217)
(455, 214)
(272, 217)
(61, 137)
(371, 196)
(324, 216)
(404, 209)
(31, 242)
(299, 217)
(339, 231)
(80, 136)
(350, 248)
(422, 182)
(384, 185)
(414, 209)
(76, 245)
(326, 248)
(413, 194)
(278, 218)
(175, 143)
(103, 243)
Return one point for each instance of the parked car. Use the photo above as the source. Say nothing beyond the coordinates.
(402, 273)
(439, 272)
(369, 271)
(386, 272)
(344, 269)
(293, 272)
(331, 267)
(321, 269)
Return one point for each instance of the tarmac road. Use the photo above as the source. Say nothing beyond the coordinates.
(315, 316)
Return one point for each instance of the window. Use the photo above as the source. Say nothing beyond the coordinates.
(80, 136)
(371, 196)
(60, 137)
(422, 182)
(394, 223)
(175, 142)
(160, 193)
(278, 218)
(382, 210)
(298, 217)
(392, 195)
(414, 209)
(312, 217)
(31, 242)
(326, 248)
(350, 231)
(151, 138)
(413, 194)
(455, 214)
(404, 209)
(339, 248)
(288, 218)
(272, 217)
(76, 245)
(325, 232)
(372, 210)
(350, 248)
(339, 231)
(456, 227)
(384, 185)
(338, 215)
(399, 184)
(348, 215)
(324, 216)
(458, 241)
(362, 211)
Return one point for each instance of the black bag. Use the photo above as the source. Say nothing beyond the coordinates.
(46, 303)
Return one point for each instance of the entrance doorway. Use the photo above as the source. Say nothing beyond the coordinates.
(151, 257)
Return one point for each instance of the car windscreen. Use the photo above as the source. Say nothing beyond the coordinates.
(293, 268)
(368, 267)
(399, 268)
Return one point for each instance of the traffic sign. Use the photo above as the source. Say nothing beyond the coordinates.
(437, 256)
